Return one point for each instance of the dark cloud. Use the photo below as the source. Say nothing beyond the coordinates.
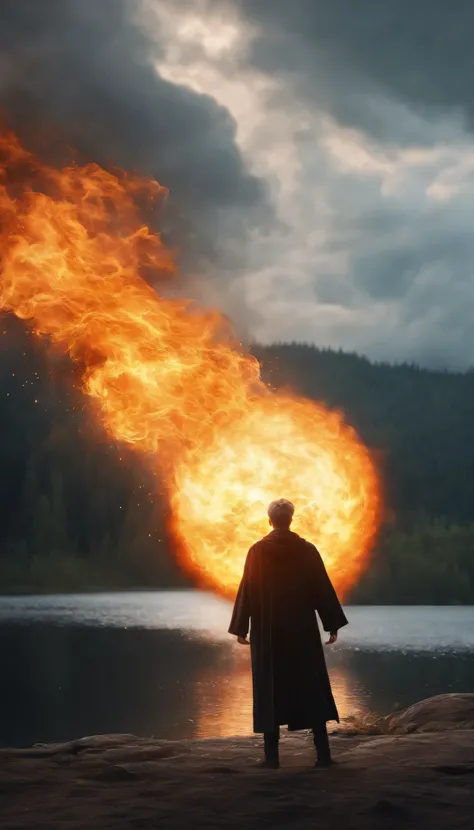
(368, 242)
(391, 271)
(87, 67)
(345, 52)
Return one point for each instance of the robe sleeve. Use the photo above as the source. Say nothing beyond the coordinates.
(240, 622)
(326, 602)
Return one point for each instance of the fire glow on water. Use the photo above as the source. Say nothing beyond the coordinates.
(169, 379)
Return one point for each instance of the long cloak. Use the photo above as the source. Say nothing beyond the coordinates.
(283, 585)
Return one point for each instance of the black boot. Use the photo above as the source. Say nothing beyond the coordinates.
(270, 743)
(321, 742)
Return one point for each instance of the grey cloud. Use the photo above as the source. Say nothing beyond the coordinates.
(388, 272)
(401, 72)
(86, 66)
(392, 272)
(346, 52)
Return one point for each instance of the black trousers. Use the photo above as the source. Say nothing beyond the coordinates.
(320, 737)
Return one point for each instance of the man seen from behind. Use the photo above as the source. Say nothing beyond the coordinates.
(283, 585)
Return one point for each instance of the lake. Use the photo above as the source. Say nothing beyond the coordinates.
(162, 664)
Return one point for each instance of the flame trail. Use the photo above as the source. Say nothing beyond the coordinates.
(168, 379)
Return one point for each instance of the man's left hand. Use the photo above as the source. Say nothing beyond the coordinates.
(242, 641)
(332, 638)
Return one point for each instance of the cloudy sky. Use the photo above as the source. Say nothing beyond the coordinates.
(320, 153)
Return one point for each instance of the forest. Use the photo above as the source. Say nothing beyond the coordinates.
(80, 513)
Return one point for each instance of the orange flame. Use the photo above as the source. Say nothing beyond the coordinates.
(168, 378)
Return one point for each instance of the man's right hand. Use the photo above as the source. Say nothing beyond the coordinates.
(242, 641)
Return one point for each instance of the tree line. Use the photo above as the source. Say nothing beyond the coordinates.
(78, 512)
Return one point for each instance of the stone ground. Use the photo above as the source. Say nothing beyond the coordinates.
(420, 773)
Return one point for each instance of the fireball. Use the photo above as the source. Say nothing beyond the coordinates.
(169, 378)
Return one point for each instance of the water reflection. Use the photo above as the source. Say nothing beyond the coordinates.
(349, 693)
(65, 681)
(439, 629)
(192, 611)
(61, 682)
(73, 670)
(223, 695)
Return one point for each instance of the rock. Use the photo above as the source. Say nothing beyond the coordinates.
(436, 714)
(411, 776)
(116, 772)
(387, 809)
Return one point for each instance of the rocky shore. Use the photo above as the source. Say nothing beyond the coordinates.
(418, 770)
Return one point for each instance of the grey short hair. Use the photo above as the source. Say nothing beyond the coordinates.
(281, 511)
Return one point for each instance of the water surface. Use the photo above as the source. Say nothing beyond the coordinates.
(162, 664)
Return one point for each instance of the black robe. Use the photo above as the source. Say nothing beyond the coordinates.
(283, 584)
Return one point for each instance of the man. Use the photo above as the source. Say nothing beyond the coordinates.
(283, 584)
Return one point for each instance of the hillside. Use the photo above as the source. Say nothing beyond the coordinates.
(77, 512)
(418, 421)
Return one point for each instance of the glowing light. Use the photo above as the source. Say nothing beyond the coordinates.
(169, 379)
